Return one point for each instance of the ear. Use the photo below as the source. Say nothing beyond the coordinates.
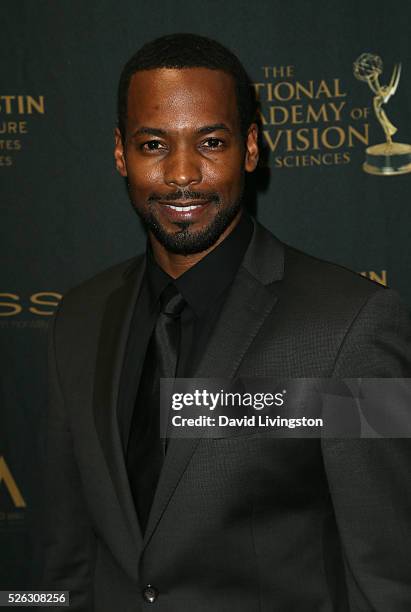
(119, 153)
(251, 148)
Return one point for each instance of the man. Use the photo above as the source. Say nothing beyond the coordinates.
(225, 525)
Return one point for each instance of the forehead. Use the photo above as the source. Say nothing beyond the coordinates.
(182, 98)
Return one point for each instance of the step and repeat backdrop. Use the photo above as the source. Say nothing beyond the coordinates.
(333, 78)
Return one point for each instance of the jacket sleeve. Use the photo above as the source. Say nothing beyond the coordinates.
(369, 479)
(69, 541)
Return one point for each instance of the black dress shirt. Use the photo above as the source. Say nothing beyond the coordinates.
(204, 288)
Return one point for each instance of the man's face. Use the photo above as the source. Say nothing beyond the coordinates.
(184, 155)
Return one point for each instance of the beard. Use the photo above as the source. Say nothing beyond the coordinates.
(185, 241)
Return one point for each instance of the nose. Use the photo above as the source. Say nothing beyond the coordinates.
(182, 168)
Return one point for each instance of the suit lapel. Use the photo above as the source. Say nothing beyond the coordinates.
(110, 354)
(251, 299)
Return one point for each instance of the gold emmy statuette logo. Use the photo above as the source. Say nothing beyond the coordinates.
(388, 158)
(5, 475)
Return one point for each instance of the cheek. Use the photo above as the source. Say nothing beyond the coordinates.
(225, 177)
(143, 177)
(222, 174)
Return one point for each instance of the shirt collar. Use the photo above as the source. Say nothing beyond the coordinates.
(203, 283)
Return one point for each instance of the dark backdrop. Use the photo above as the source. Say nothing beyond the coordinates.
(64, 211)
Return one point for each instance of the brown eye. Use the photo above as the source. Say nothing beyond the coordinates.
(213, 143)
(152, 145)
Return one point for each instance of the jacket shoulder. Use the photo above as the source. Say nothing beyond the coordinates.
(99, 286)
(300, 274)
(314, 274)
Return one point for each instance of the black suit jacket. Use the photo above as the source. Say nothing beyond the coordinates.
(238, 524)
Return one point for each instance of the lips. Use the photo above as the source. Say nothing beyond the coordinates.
(184, 211)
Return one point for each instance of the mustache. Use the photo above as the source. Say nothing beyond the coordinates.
(184, 194)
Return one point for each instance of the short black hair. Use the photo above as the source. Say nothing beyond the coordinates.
(188, 51)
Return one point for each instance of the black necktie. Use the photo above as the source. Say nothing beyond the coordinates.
(145, 452)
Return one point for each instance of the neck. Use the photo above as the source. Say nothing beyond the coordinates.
(175, 265)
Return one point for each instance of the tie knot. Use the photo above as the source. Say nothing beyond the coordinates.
(171, 301)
